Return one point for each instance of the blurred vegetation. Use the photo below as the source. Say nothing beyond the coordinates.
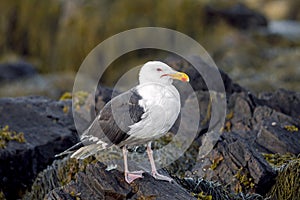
(29, 28)
(56, 35)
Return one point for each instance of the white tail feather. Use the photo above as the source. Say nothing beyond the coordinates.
(89, 150)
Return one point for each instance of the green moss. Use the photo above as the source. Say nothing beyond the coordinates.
(79, 99)
(66, 109)
(228, 123)
(277, 160)
(202, 196)
(72, 193)
(287, 184)
(229, 115)
(291, 128)
(66, 96)
(150, 197)
(203, 189)
(164, 140)
(7, 135)
(71, 168)
(60, 173)
(245, 181)
(227, 126)
(66, 177)
(216, 162)
(76, 195)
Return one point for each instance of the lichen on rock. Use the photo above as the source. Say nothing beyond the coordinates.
(245, 181)
(59, 174)
(278, 160)
(7, 135)
(291, 128)
(79, 98)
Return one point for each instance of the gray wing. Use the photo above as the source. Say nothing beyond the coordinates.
(112, 123)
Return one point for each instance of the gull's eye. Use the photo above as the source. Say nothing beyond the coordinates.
(158, 69)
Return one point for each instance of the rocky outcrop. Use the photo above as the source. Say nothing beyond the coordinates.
(254, 126)
(284, 101)
(47, 127)
(89, 179)
(100, 184)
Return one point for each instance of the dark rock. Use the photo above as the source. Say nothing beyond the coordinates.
(239, 15)
(240, 107)
(16, 70)
(277, 140)
(94, 182)
(102, 96)
(47, 130)
(273, 133)
(233, 158)
(251, 128)
(263, 123)
(284, 101)
(105, 93)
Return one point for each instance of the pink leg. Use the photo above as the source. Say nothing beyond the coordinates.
(154, 172)
(130, 176)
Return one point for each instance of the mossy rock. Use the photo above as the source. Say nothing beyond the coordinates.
(90, 179)
(278, 160)
(60, 173)
(7, 135)
(287, 184)
(207, 190)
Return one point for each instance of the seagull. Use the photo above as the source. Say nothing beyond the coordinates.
(137, 116)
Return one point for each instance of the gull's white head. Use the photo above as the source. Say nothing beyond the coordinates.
(159, 72)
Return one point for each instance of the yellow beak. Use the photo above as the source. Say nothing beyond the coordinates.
(180, 76)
